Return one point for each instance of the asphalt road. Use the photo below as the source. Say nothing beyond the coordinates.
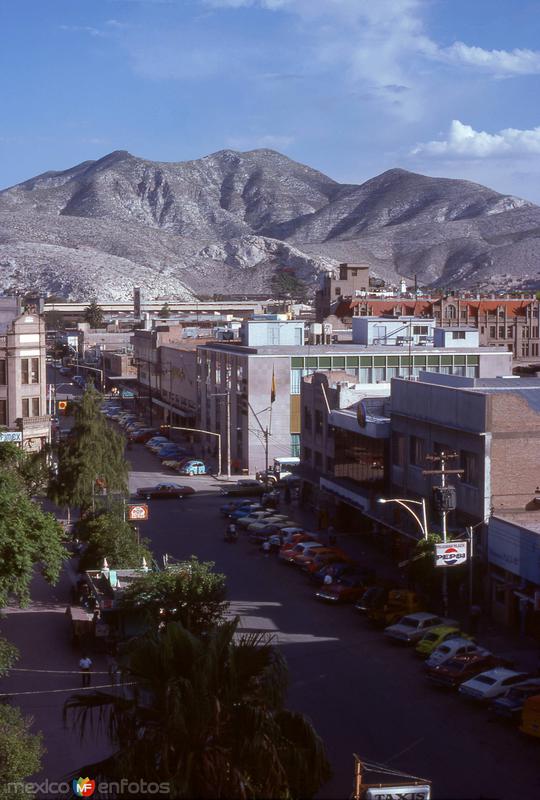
(363, 694)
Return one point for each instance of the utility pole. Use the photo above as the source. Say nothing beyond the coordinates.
(446, 501)
(266, 433)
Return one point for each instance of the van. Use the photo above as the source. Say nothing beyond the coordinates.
(530, 717)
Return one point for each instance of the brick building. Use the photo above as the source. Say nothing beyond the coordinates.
(501, 321)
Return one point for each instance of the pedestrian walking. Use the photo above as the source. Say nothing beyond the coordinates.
(85, 665)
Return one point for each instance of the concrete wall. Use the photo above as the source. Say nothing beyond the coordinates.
(262, 333)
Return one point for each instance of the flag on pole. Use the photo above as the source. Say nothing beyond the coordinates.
(273, 387)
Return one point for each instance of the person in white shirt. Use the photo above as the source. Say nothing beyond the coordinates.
(85, 665)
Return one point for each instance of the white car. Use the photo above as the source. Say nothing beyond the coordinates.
(256, 516)
(451, 648)
(491, 683)
(412, 627)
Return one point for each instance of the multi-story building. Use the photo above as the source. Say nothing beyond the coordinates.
(350, 280)
(493, 426)
(506, 322)
(23, 379)
(246, 375)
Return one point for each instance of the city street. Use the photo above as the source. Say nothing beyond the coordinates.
(363, 694)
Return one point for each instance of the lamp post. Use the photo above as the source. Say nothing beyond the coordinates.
(422, 523)
(201, 430)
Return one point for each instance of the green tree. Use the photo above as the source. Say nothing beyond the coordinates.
(190, 593)
(91, 460)
(32, 467)
(93, 314)
(8, 656)
(108, 535)
(20, 751)
(165, 311)
(207, 716)
(28, 537)
(285, 284)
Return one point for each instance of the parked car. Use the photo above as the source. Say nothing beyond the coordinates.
(454, 647)
(287, 554)
(244, 487)
(316, 561)
(265, 521)
(79, 381)
(491, 683)
(436, 636)
(336, 570)
(237, 505)
(510, 705)
(399, 603)
(143, 435)
(193, 468)
(374, 597)
(306, 559)
(410, 628)
(245, 520)
(457, 670)
(246, 511)
(347, 589)
(155, 440)
(165, 491)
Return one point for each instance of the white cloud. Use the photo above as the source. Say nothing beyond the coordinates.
(267, 140)
(464, 142)
(88, 29)
(501, 63)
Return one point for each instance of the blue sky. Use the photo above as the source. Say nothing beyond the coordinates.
(351, 87)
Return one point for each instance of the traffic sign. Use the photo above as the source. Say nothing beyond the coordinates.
(62, 405)
(137, 512)
(450, 554)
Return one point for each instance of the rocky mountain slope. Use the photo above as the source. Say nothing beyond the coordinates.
(227, 222)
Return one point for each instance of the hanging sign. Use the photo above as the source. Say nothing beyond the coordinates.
(137, 512)
(450, 554)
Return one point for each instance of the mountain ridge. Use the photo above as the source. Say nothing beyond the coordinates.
(226, 222)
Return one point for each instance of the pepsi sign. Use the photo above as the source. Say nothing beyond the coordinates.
(450, 554)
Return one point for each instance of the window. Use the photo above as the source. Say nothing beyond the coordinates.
(296, 378)
(469, 465)
(29, 370)
(416, 451)
(492, 332)
(525, 333)
(458, 334)
(343, 272)
(35, 406)
(451, 312)
(501, 332)
(295, 445)
(3, 412)
(26, 407)
(307, 419)
(509, 332)
(337, 290)
(420, 330)
(354, 273)
(2, 372)
(534, 332)
(398, 449)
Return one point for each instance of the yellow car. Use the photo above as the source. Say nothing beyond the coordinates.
(437, 636)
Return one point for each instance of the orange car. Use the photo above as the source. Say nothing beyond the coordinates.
(314, 562)
(294, 540)
(300, 559)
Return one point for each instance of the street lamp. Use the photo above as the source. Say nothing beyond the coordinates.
(422, 523)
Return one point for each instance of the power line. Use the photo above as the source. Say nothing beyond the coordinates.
(74, 689)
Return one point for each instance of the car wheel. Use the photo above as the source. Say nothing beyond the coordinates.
(191, 473)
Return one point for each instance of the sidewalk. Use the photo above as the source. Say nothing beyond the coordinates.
(523, 651)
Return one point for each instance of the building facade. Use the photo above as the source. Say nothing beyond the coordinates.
(349, 280)
(509, 323)
(23, 379)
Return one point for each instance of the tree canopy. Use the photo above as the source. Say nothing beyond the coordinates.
(93, 314)
(108, 535)
(207, 716)
(191, 593)
(28, 537)
(31, 467)
(91, 460)
(20, 750)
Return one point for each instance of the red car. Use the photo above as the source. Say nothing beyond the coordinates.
(347, 589)
(452, 673)
(164, 491)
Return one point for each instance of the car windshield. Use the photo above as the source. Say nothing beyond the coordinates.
(409, 622)
(487, 679)
(443, 649)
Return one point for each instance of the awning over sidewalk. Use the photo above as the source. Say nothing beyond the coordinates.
(173, 409)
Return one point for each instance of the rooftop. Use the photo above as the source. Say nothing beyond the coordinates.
(347, 348)
(525, 519)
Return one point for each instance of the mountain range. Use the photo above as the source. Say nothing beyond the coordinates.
(227, 222)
